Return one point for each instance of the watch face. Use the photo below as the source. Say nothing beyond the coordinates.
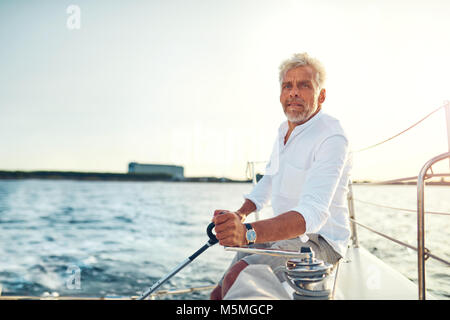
(251, 235)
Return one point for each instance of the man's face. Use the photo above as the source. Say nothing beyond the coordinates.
(299, 94)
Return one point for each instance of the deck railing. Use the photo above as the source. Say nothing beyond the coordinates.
(423, 253)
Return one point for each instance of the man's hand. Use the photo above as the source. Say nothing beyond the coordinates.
(230, 231)
(240, 214)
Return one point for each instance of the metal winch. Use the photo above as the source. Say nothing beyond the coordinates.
(309, 277)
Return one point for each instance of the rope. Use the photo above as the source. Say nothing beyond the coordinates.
(401, 209)
(427, 255)
(177, 291)
(383, 235)
(181, 291)
(415, 124)
(152, 296)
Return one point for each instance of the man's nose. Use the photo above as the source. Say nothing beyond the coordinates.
(294, 92)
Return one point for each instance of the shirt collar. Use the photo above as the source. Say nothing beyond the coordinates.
(284, 125)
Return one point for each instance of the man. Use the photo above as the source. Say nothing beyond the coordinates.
(306, 180)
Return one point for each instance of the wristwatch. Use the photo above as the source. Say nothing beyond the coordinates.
(251, 234)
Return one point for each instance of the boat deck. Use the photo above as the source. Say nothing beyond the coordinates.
(362, 276)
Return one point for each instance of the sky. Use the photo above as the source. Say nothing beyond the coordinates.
(195, 83)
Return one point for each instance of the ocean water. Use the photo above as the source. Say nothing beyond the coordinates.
(92, 239)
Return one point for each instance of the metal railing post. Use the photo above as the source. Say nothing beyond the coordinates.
(447, 117)
(421, 252)
(351, 212)
(421, 235)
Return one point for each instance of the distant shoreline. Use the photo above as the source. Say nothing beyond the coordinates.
(105, 176)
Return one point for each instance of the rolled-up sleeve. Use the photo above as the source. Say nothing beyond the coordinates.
(261, 192)
(321, 182)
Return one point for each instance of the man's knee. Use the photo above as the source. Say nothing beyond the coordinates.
(216, 294)
(231, 275)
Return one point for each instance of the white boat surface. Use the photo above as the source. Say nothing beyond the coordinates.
(360, 276)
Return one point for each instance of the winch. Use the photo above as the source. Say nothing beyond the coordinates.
(309, 277)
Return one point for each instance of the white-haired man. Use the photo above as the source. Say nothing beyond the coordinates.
(306, 180)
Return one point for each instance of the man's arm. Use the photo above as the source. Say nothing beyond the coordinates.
(231, 232)
(247, 208)
(284, 226)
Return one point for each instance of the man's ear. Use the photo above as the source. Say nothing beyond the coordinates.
(322, 96)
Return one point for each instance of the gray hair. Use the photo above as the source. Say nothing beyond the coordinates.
(303, 59)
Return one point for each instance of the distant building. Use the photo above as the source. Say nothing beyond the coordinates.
(176, 172)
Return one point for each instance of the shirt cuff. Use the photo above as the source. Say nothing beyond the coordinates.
(252, 199)
(312, 220)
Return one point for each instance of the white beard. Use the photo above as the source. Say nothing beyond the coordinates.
(299, 117)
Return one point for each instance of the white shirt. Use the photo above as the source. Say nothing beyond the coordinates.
(310, 175)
